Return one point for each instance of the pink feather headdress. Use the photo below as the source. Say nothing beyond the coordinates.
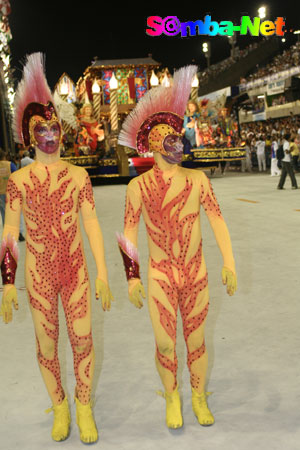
(33, 97)
(160, 105)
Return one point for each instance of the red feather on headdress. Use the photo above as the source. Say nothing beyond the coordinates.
(33, 88)
(160, 99)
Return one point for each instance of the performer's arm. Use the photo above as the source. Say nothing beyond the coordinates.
(94, 233)
(9, 248)
(216, 220)
(128, 243)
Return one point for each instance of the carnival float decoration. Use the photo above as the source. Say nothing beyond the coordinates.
(211, 135)
(93, 110)
(6, 78)
(103, 97)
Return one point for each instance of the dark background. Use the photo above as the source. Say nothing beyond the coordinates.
(72, 33)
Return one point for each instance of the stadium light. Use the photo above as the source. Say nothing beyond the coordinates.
(297, 32)
(262, 12)
(206, 51)
(205, 47)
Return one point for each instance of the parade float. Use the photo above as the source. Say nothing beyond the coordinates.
(93, 109)
(211, 132)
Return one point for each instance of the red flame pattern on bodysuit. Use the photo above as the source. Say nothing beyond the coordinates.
(52, 226)
(171, 228)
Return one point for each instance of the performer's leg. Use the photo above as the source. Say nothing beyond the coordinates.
(163, 305)
(193, 303)
(45, 319)
(77, 307)
(194, 308)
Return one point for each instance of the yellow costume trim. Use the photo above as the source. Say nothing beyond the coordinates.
(200, 408)
(136, 292)
(61, 421)
(229, 279)
(85, 421)
(9, 297)
(104, 293)
(173, 408)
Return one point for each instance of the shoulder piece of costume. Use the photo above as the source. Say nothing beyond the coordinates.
(159, 113)
(33, 100)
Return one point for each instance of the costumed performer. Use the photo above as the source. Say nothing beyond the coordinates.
(51, 192)
(90, 131)
(189, 122)
(169, 198)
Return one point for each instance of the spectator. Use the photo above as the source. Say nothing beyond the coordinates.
(260, 153)
(287, 168)
(6, 168)
(275, 171)
(246, 163)
(294, 153)
(26, 159)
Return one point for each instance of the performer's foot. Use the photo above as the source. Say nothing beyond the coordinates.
(86, 424)
(200, 408)
(62, 420)
(173, 409)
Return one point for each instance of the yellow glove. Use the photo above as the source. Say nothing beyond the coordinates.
(9, 297)
(103, 291)
(229, 278)
(136, 291)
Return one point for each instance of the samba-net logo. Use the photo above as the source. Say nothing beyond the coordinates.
(171, 26)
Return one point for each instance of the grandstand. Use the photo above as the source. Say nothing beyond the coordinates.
(264, 80)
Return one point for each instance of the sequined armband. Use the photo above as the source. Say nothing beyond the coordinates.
(9, 255)
(130, 257)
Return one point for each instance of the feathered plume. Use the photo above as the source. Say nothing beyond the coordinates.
(10, 243)
(169, 99)
(32, 88)
(67, 111)
(127, 247)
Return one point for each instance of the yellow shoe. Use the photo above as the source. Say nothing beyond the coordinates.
(173, 409)
(61, 421)
(85, 421)
(201, 409)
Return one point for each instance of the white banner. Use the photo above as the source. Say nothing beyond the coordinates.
(259, 116)
(276, 87)
(270, 78)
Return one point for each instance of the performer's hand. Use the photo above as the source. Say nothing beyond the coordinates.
(229, 278)
(103, 291)
(9, 297)
(136, 291)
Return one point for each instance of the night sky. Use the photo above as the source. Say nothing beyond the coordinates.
(71, 36)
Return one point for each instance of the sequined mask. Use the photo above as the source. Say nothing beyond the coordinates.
(45, 134)
(174, 148)
(155, 130)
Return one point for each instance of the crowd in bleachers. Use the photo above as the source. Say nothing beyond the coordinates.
(289, 58)
(266, 131)
(216, 70)
(269, 127)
